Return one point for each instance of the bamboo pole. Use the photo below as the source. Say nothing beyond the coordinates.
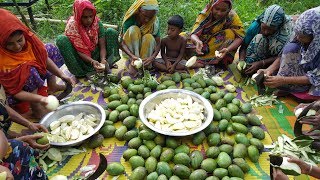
(64, 21)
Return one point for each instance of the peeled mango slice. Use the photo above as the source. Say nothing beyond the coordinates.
(241, 65)
(54, 125)
(298, 112)
(3, 175)
(191, 61)
(52, 103)
(66, 118)
(54, 154)
(254, 77)
(59, 177)
(138, 63)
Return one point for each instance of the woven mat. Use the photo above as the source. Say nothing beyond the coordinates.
(274, 125)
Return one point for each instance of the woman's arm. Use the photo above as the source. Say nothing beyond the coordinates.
(242, 52)
(276, 81)
(30, 97)
(232, 47)
(53, 68)
(274, 67)
(4, 145)
(260, 64)
(198, 43)
(149, 60)
(17, 118)
(103, 51)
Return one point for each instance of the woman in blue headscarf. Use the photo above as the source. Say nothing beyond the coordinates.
(265, 38)
(299, 66)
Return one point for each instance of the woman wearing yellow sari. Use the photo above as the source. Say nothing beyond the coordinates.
(141, 33)
(217, 28)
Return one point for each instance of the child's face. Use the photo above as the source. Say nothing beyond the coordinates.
(87, 17)
(221, 10)
(173, 31)
(15, 43)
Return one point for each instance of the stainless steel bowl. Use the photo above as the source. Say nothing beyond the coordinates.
(152, 100)
(75, 108)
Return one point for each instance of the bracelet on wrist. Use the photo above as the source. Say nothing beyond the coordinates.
(92, 62)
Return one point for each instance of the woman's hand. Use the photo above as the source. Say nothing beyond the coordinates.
(279, 175)
(274, 81)
(199, 46)
(9, 175)
(254, 67)
(68, 79)
(147, 61)
(36, 127)
(32, 141)
(223, 52)
(97, 67)
(265, 71)
(305, 167)
(133, 58)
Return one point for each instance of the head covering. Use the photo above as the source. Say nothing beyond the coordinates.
(84, 39)
(309, 23)
(205, 21)
(152, 25)
(34, 55)
(273, 16)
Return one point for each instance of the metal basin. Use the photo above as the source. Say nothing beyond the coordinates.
(75, 108)
(152, 100)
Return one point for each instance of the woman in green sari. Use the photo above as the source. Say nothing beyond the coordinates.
(86, 43)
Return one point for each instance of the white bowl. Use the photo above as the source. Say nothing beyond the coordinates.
(75, 108)
(152, 100)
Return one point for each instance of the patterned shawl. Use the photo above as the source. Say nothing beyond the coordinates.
(204, 21)
(84, 39)
(309, 23)
(275, 16)
(152, 26)
(15, 67)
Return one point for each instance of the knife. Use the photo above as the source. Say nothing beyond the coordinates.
(101, 168)
(259, 81)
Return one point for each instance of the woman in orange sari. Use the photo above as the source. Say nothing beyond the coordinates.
(24, 66)
(217, 28)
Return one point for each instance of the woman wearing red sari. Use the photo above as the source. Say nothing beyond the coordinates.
(24, 66)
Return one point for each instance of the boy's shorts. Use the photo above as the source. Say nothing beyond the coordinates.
(161, 61)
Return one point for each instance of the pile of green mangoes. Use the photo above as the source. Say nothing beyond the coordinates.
(233, 135)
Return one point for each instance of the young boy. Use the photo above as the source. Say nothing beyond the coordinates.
(172, 47)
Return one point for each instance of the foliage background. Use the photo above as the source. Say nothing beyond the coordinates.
(112, 11)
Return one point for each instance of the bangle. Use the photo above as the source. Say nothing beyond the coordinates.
(92, 62)
(310, 169)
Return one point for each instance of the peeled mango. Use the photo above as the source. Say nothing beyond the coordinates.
(52, 103)
(191, 61)
(138, 63)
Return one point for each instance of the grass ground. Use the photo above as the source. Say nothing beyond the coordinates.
(112, 11)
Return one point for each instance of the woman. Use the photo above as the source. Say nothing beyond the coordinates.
(299, 66)
(86, 43)
(217, 28)
(265, 38)
(24, 67)
(18, 159)
(141, 33)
